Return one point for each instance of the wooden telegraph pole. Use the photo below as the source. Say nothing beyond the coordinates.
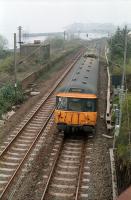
(15, 71)
(20, 42)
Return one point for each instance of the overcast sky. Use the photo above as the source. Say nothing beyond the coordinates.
(54, 15)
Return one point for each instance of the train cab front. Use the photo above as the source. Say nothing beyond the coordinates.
(76, 112)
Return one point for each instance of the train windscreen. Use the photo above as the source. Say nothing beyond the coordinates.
(76, 104)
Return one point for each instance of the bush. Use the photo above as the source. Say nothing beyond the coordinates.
(122, 142)
(4, 54)
(7, 65)
(8, 97)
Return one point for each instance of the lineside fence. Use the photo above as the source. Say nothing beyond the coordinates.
(109, 126)
(108, 107)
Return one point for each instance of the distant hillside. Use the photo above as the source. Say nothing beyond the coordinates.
(91, 27)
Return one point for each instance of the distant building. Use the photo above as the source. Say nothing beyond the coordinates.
(38, 49)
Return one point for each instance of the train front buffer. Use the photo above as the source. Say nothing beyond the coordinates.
(77, 120)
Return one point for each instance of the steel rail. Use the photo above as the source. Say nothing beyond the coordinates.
(80, 171)
(51, 172)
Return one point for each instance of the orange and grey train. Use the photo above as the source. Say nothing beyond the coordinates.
(76, 101)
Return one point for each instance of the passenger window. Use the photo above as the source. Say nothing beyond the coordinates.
(90, 106)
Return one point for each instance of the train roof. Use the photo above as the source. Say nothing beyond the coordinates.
(84, 77)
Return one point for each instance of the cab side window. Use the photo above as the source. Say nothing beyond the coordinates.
(89, 106)
(62, 103)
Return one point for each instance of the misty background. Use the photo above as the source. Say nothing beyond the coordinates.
(40, 16)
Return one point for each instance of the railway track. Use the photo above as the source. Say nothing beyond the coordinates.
(68, 176)
(25, 138)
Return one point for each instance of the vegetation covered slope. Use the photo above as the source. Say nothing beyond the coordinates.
(59, 49)
(123, 140)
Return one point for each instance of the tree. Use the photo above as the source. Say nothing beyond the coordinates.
(3, 47)
(55, 42)
(3, 43)
(117, 43)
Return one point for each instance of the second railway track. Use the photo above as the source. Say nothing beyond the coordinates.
(19, 147)
(68, 174)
